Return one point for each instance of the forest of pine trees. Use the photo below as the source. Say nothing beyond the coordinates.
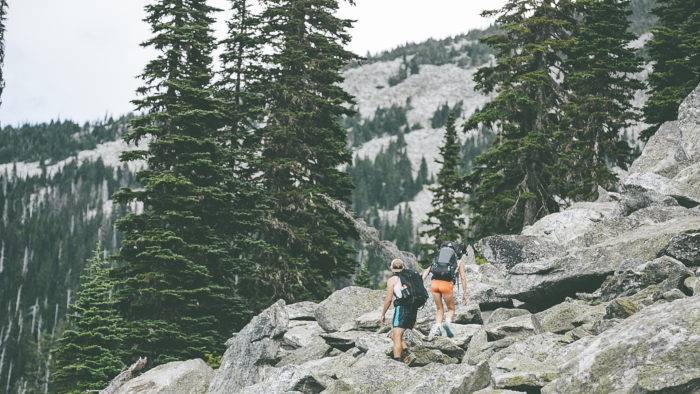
(240, 160)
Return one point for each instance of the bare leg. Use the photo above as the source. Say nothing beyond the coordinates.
(397, 337)
(450, 301)
(439, 309)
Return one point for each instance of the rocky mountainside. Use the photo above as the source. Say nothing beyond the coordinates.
(602, 297)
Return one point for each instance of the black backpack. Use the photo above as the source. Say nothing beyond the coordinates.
(444, 265)
(414, 292)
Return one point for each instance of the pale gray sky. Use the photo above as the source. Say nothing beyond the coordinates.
(77, 59)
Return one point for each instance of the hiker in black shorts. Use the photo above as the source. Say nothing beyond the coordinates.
(404, 312)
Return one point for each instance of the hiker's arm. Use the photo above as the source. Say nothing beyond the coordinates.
(387, 298)
(426, 272)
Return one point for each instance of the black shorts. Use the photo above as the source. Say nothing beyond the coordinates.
(404, 316)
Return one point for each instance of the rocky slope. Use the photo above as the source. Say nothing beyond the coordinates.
(602, 297)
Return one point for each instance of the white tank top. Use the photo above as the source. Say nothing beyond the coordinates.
(397, 287)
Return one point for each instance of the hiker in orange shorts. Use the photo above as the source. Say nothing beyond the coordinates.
(447, 264)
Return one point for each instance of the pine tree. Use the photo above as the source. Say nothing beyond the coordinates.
(88, 354)
(243, 104)
(675, 51)
(177, 263)
(422, 177)
(362, 278)
(304, 144)
(512, 183)
(446, 220)
(242, 71)
(3, 17)
(599, 78)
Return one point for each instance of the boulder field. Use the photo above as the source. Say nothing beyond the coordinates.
(601, 297)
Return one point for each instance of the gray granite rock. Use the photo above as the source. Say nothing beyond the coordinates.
(254, 347)
(346, 305)
(179, 377)
(655, 350)
(305, 310)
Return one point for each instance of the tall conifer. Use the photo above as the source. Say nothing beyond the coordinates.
(243, 104)
(304, 145)
(512, 182)
(88, 354)
(446, 220)
(675, 51)
(177, 266)
(600, 70)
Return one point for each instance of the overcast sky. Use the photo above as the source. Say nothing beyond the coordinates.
(77, 59)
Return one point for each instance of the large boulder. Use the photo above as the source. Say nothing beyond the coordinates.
(633, 276)
(483, 285)
(316, 349)
(179, 377)
(375, 374)
(313, 376)
(676, 145)
(685, 248)
(682, 192)
(565, 226)
(340, 310)
(255, 347)
(305, 310)
(568, 315)
(655, 350)
(519, 326)
(528, 364)
(503, 314)
(582, 269)
(301, 333)
(509, 250)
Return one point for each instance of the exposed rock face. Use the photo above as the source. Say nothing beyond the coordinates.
(633, 276)
(503, 314)
(686, 248)
(344, 306)
(669, 163)
(305, 310)
(655, 350)
(509, 250)
(179, 377)
(251, 350)
(568, 315)
(529, 364)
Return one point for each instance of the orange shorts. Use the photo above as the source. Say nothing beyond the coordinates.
(442, 287)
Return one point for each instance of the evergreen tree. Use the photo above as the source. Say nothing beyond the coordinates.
(675, 51)
(446, 220)
(177, 265)
(3, 17)
(304, 144)
(88, 354)
(599, 68)
(362, 278)
(240, 91)
(242, 71)
(512, 183)
(422, 177)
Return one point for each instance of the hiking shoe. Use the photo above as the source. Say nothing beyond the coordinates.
(434, 331)
(448, 331)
